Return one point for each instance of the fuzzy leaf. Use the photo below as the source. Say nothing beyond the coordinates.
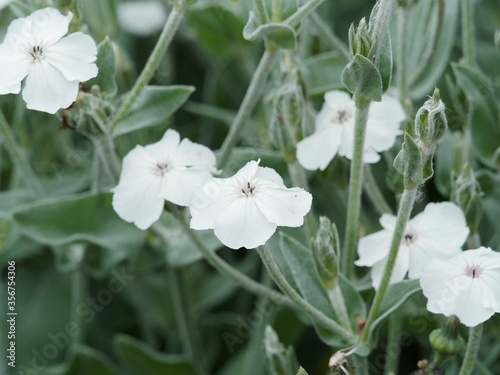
(362, 78)
(409, 163)
(107, 69)
(153, 107)
(283, 35)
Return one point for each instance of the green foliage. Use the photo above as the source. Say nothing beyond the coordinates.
(363, 79)
(145, 361)
(107, 69)
(153, 107)
(280, 34)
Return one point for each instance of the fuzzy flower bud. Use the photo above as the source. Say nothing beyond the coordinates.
(325, 249)
(430, 121)
(360, 41)
(446, 341)
(280, 360)
(466, 194)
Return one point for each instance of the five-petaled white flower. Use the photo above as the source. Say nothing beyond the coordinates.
(437, 232)
(54, 66)
(466, 285)
(165, 170)
(334, 131)
(245, 210)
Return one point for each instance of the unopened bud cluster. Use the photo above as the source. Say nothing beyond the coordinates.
(446, 341)
(466, 194)
(360, 41)
(325, 253)
(280, 360)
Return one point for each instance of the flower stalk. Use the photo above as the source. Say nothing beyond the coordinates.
(473, 344)
(406, 205)
(355, 185)
(166, 36)
(468, 42)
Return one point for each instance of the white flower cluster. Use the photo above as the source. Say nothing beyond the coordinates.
(244, 210)
(456, 282)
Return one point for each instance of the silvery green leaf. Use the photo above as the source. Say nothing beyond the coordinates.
(363, 79)
(283, 35)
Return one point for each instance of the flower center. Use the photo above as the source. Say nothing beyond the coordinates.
(36, 53)
(408, 238)
(161, 169)
(342, 115)
(473, 271)
(248, 190)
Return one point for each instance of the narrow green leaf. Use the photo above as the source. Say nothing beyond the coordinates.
(324, 72)
(381, 53)
(147, 361)
(153, 107)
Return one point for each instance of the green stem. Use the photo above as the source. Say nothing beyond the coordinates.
(79, 285)
(393, 349)
(105, 150)
(473, 344)
(260, 6)
(191, 342)
(338, 304)
(173, 22)
(276, 11)
(328, 36)
(19, 158)
(374, 194)
(283, 284)
(302, 12)
(468, 42)
(355, 185)
(403, 26)
(248, 104)
(405, 207)
(222, 266)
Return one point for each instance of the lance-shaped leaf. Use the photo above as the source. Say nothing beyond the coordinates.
(381, 54)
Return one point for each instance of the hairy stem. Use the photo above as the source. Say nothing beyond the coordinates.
(260, 6)
(338, 304)
(283, 284)
(222, 266)
(302, 12)
(475, 334)
(402, 54)
(173, 22)
(405, 207)
(355, 185)
(327, 35)
(19, 158)
(393, 347)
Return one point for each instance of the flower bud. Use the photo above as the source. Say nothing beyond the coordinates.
(430, 121)
(325, 253)
(301, 371)
(360, 41)
(280, 360)
(446, 341)
(466, 193)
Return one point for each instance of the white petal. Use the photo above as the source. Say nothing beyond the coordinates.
(179, 184)
(47, 90)
(165, 148)
(335, 98)
(14, 66)
(388, 221)
(247, 172)
(137, 198)
(398, 272)
(383, 123)
(195, 156)
(48, 25)
(281, 206)
(271, 175)
(346, 148)
(389, 110)
(318, 150)
(73, 56)
(442, 224)
(374, 248)
(213, 196)
(422, 251)
(243, 225)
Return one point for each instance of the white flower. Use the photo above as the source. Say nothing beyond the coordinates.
(437, 232)
(245, 210)
(165, 170)
(34, 48)
(334, 133)
(466, 285)
(141, 17)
